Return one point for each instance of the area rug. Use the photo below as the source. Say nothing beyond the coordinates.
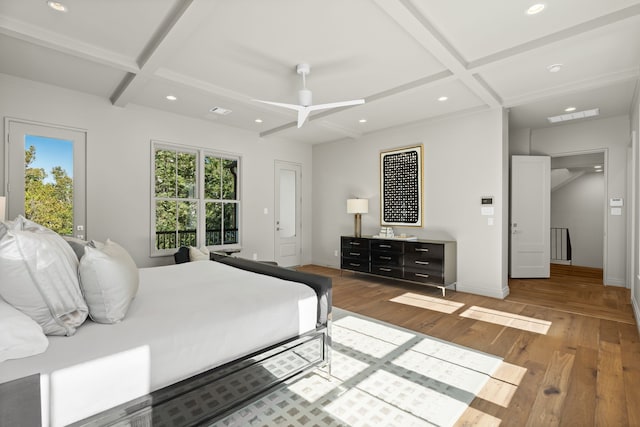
(380, 375)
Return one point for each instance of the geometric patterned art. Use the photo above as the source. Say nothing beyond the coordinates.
(401, 187)
(380, 375)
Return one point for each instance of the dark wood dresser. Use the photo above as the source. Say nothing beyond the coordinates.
(428, 262)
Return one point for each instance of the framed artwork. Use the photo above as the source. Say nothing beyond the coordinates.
(401, 187)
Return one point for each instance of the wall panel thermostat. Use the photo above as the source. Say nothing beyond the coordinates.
(616, 202)
(486, 200)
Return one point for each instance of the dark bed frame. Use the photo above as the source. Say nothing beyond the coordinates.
(214, 394)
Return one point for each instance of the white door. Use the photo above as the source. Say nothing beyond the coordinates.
(46, 176)
(287, 213)
(530, 216)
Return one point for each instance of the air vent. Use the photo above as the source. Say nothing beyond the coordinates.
(573, 116)
(220, 110)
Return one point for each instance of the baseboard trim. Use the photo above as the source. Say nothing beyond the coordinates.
(636, 313)
(501, 294)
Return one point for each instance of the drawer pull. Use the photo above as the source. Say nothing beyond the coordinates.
(355, 243)
(426, 276)
(422, 250)
(385, 246)
(422, 262)
(353, 264)
(385, 257)
(354, 253)
(384, 269)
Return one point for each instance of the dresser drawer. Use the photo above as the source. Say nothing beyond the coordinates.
(424, 276)
(386, 259)
(418, 250)
(388, 271)
(354, 242)
(422, 263)
(355, 265)
(356, 254)
(386, 245)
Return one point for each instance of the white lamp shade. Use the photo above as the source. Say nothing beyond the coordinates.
(3, 207)
(357, 206)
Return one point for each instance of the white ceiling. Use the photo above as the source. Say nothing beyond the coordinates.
(399, 55)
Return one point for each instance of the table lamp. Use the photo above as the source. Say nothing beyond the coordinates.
(358, 207)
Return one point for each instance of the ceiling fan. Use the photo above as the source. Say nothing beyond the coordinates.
(304, 99)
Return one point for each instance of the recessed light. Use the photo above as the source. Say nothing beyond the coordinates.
(570, 109)
(554, 68)
(598, 166)
(535, 9)
(258, 120)
(362, 120)
(443, 98)
(57, 6)
(171, 97)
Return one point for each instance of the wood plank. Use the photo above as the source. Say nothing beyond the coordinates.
(630, 355)
(602, 385)
(611, 403)
(582, 389)
(547, 407)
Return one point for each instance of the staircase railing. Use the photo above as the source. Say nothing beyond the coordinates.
(560, 245)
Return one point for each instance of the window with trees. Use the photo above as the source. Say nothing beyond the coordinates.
(196, 199)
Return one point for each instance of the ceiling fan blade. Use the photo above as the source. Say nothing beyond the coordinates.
(336, 104)
(281, 104)
(302, 115)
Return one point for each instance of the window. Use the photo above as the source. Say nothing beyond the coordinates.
(196, 199)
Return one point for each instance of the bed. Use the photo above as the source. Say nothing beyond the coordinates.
(228, 326)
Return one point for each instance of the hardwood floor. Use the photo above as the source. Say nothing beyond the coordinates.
(585, 371)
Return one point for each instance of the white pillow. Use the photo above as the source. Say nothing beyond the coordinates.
(40, 276)
(201, 254)
(109, 281)
(20, 335)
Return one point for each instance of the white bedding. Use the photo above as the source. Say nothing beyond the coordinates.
(185, 319)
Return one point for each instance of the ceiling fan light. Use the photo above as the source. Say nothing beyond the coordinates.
(305, 97)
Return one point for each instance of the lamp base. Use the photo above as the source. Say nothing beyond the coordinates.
(358, 225)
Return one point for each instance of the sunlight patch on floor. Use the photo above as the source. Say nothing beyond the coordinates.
(430, 303)
(511, 320)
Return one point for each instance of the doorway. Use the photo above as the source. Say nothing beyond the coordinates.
(578, 208)
(288, 213)
(46, 176)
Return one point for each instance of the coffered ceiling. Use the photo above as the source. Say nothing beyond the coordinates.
(399, 55)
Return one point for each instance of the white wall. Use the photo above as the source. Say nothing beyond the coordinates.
(464, 159)
(118, 163)
(579, 206)
(635, 126)
(612, 135)
(519, 142)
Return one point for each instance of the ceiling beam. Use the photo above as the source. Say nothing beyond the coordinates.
(173, 33)
(575, 87)
(558, 36)
(39, 36)
(418, 26)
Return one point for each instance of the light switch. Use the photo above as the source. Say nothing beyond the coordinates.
(616, 211)
(266, 211)
(487, 210)
(490, 221)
